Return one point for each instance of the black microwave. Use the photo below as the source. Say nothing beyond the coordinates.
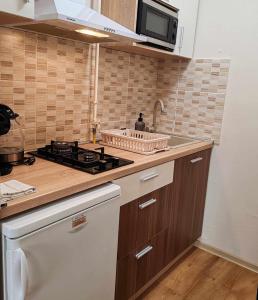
(158, 22)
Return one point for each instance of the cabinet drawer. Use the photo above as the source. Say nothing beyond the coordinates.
(152, 259)
(153, 212)
(140, 266)
(142, 219)
(141, 183)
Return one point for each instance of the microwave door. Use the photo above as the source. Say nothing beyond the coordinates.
(155, 24)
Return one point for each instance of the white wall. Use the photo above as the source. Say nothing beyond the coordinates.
(230, 29)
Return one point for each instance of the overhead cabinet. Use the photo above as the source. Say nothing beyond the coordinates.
(125, 13)
(12, 11)
(187, 22)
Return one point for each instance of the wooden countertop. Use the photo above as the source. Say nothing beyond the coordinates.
(54, 181)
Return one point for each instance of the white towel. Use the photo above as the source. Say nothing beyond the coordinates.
(13, 189)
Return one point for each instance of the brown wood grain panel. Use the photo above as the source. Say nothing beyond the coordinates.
(188, 193)
(143, 274)
(122, 11)
(201, 174)
(158, 255)
(154, 218)
(127, 228)
(154, 261)
(126, 277)
(140, 49)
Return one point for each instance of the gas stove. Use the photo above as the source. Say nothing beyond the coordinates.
(71, 155)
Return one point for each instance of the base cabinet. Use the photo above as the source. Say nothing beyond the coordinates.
(140, 266)
(188, 201)
(142, 241)
(158, 227)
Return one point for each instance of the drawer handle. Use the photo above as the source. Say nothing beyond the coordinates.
(147, 203)
(193, 161)
(149, 177)
(143, 252)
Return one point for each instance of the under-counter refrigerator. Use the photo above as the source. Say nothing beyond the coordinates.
(64, 251)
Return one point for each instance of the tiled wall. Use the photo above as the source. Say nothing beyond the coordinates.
(193, 92)
(127, 86)
(48, 82)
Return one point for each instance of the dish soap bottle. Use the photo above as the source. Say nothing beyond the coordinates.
(140, 125)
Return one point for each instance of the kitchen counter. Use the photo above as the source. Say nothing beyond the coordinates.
(54, 181)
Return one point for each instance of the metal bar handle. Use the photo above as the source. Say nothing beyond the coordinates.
(143, 252)
(17, 274)
(147, 203)
(182, 31)
(24, 274)
(149, 177)
(195, 160)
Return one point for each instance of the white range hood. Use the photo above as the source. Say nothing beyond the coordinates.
(75, 20)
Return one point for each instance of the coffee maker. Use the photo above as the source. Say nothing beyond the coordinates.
(11, 141)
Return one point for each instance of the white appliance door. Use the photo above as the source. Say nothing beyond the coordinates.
(72, 259)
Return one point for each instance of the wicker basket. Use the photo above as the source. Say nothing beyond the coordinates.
(135, 141)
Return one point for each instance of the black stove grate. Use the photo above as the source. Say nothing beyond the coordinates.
(85, 160)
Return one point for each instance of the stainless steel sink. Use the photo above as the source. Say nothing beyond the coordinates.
(176, 141)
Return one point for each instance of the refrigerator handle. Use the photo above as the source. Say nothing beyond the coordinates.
(17, 274)
(24, 274)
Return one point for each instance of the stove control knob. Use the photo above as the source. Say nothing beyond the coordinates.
(102, 164)
(115, 161)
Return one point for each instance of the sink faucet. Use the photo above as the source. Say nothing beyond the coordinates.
(162, 108)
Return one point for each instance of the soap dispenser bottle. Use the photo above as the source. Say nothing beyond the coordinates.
(139, 124)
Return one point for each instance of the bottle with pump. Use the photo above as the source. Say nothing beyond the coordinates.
(139, 124)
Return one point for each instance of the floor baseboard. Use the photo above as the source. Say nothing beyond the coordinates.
(227, 256)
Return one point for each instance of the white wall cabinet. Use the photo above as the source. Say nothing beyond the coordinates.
(174, 3)
(23, 8)
(188, 13)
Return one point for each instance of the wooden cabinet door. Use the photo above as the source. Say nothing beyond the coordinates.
(158, 255)
(189, 191)
(153, 215)
(142, 242)
(153, 261)
(127, 229)
(126, 277)
(200, 165)
(142, 219)
(123, 12)
(136, 269)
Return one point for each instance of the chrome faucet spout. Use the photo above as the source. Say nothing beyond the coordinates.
(162, 109)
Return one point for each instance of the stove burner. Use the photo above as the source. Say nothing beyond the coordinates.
(61, 147)
(71, 155)
(89, 157)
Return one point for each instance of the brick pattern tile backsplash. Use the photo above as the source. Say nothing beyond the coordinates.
(193, 93)
(48, 81)
(198, 90)
(127, 86)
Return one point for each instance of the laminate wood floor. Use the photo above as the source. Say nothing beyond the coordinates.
(203, 276)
